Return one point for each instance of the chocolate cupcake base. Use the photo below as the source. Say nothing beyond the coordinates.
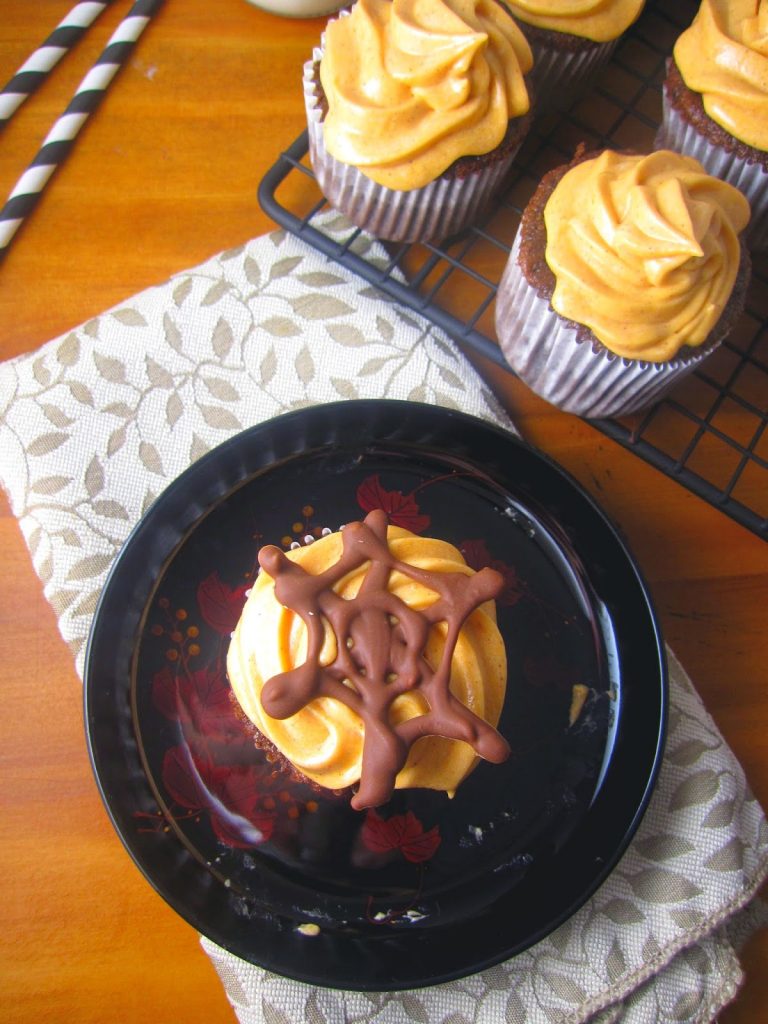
(277, 759)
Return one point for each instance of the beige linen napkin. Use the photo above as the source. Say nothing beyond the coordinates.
(97, 422)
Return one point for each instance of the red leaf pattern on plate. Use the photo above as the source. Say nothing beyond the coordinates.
(477, 555)
(206, 698)
(402, 509)
(403, 832)
(164, 695)
(244, 835)
(181, 778)
(201, 702)
(220, 605)
(237, 819)
(230, 795)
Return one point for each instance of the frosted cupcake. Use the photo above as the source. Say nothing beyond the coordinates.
(371, 659)
(570, 41)
(415, 112)
(626, 272)
(716, 100)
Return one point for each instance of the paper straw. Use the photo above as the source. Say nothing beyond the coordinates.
(34, 70)
(60, 140)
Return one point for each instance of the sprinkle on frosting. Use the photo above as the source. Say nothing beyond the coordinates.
(645, 250)
(723, 56)
(413, 85)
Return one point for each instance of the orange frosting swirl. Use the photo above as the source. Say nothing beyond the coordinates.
(598, 20)
(723, 56)
(645, 250)
(413, 85)
(272, 647)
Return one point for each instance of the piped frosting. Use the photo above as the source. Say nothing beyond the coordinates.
(372, 658)
(413, 85)
(723, 56)
(645, 250)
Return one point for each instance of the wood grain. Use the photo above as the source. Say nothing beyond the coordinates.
(164, 175)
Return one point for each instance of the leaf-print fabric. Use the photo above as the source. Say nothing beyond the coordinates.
(95, 424)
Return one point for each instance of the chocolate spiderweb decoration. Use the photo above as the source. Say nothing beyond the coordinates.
(380, 644)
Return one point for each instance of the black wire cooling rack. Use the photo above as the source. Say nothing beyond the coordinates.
(710, 432)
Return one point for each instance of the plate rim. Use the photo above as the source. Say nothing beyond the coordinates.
(392, 412)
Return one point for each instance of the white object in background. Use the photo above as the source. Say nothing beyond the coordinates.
(299, 8)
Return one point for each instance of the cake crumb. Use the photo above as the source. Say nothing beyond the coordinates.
(308, 928)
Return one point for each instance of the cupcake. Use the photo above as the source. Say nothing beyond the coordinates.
(716, 100)
(415, 112)
(570, 42)
(626, 271)
(359, 657)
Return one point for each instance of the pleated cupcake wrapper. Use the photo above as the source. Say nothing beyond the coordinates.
(545, 351)
(558, 76)
(750, 178)
(431, 213)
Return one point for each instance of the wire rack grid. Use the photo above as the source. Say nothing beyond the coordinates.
(709, 433)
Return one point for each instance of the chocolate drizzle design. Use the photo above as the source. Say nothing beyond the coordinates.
(380, 644)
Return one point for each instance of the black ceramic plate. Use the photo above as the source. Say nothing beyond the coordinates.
(425, 888)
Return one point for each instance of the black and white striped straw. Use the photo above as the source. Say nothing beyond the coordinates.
(60, 140)
(35, 69)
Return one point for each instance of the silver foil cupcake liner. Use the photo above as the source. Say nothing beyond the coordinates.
(558, 76)
(546, 353)
(436, 211)
(750, 178)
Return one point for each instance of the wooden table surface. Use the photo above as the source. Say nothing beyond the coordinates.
(164, 175)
